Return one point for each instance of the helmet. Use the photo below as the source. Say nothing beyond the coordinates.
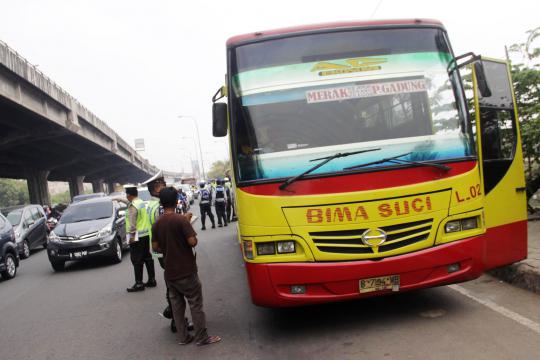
(220, 182)
(154, 179)
(226, 179)
(202, 184)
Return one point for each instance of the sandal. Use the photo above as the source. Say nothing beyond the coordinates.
(209, 340)
(188, 340)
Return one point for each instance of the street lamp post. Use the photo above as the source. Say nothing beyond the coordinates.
(198, 139)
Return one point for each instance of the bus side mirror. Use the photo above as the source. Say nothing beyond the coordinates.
(219, 119)
(483, 86)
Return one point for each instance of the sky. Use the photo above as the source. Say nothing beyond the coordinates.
(149, 68)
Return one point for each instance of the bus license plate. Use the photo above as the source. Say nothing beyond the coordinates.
(78, 254)
(380, 283)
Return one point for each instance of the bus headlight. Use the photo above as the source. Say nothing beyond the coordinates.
(267, 248)
(452, 226)
(286, 247)
(468, 224)
(461, 225)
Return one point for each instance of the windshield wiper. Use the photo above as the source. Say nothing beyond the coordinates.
(326, 160)
(396, 160)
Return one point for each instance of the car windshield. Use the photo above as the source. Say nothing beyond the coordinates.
(86, 211)
(144, 195)
(14, 217)
(304, 97)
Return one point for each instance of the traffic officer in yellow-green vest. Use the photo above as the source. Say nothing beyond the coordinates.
(154, 184)
(138, 236)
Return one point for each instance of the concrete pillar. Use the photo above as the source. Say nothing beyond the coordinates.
(110, 186)
(97, 186)
(76, 186)
(38, 187)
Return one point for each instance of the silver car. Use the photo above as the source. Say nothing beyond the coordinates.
(30, 226)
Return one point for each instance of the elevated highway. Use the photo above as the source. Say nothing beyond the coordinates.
(47, 135)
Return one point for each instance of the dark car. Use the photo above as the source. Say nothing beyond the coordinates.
(30, 226)
(9, 256)
(84, 197)
(89, 228)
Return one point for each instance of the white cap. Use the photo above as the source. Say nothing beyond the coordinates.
(159, 175)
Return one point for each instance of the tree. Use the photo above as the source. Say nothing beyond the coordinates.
(526, 79)
(218, 169)
(13, 192)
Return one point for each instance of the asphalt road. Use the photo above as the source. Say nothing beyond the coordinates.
(85, 313)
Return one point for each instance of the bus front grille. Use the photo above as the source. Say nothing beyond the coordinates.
(350, 241)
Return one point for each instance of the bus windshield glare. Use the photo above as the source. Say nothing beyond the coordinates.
(310, 96)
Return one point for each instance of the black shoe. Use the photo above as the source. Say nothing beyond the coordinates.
(220, 225)
(203, 228)
(167, 313)
(225, 224)
(136, 287)
(150, 283)
(213, 226)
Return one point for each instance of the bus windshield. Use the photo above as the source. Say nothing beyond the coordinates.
(310, 96)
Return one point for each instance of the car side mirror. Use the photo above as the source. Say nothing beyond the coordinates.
(219, 119)
(481, 78)
(121, 213)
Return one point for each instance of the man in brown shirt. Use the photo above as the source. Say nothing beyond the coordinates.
(173, 235)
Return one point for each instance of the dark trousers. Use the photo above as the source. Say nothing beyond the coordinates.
(206, 209)
(220, 211)
(229, 208)
(190, 289)
(140, 256)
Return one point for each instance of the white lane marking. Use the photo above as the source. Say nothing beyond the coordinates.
(534, 326)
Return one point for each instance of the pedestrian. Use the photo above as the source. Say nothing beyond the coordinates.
(220, 202)
(155, 184)
(228, 183)
(138, 235)
(228, 195)
(175, 238)
(205, 201)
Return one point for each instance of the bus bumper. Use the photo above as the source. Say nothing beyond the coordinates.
(270, 284)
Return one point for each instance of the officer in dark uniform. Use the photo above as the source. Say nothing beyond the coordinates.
(205, 201)
(220, 202)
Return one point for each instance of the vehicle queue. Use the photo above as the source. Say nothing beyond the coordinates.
(93, 225)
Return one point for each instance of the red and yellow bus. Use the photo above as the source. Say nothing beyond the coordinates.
(361, 165)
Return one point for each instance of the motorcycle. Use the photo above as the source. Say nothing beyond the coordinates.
(51, 224)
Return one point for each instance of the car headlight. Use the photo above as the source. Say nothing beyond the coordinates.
(54, 238)
(106, 231)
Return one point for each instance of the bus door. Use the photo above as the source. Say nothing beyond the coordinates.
(501, 163)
